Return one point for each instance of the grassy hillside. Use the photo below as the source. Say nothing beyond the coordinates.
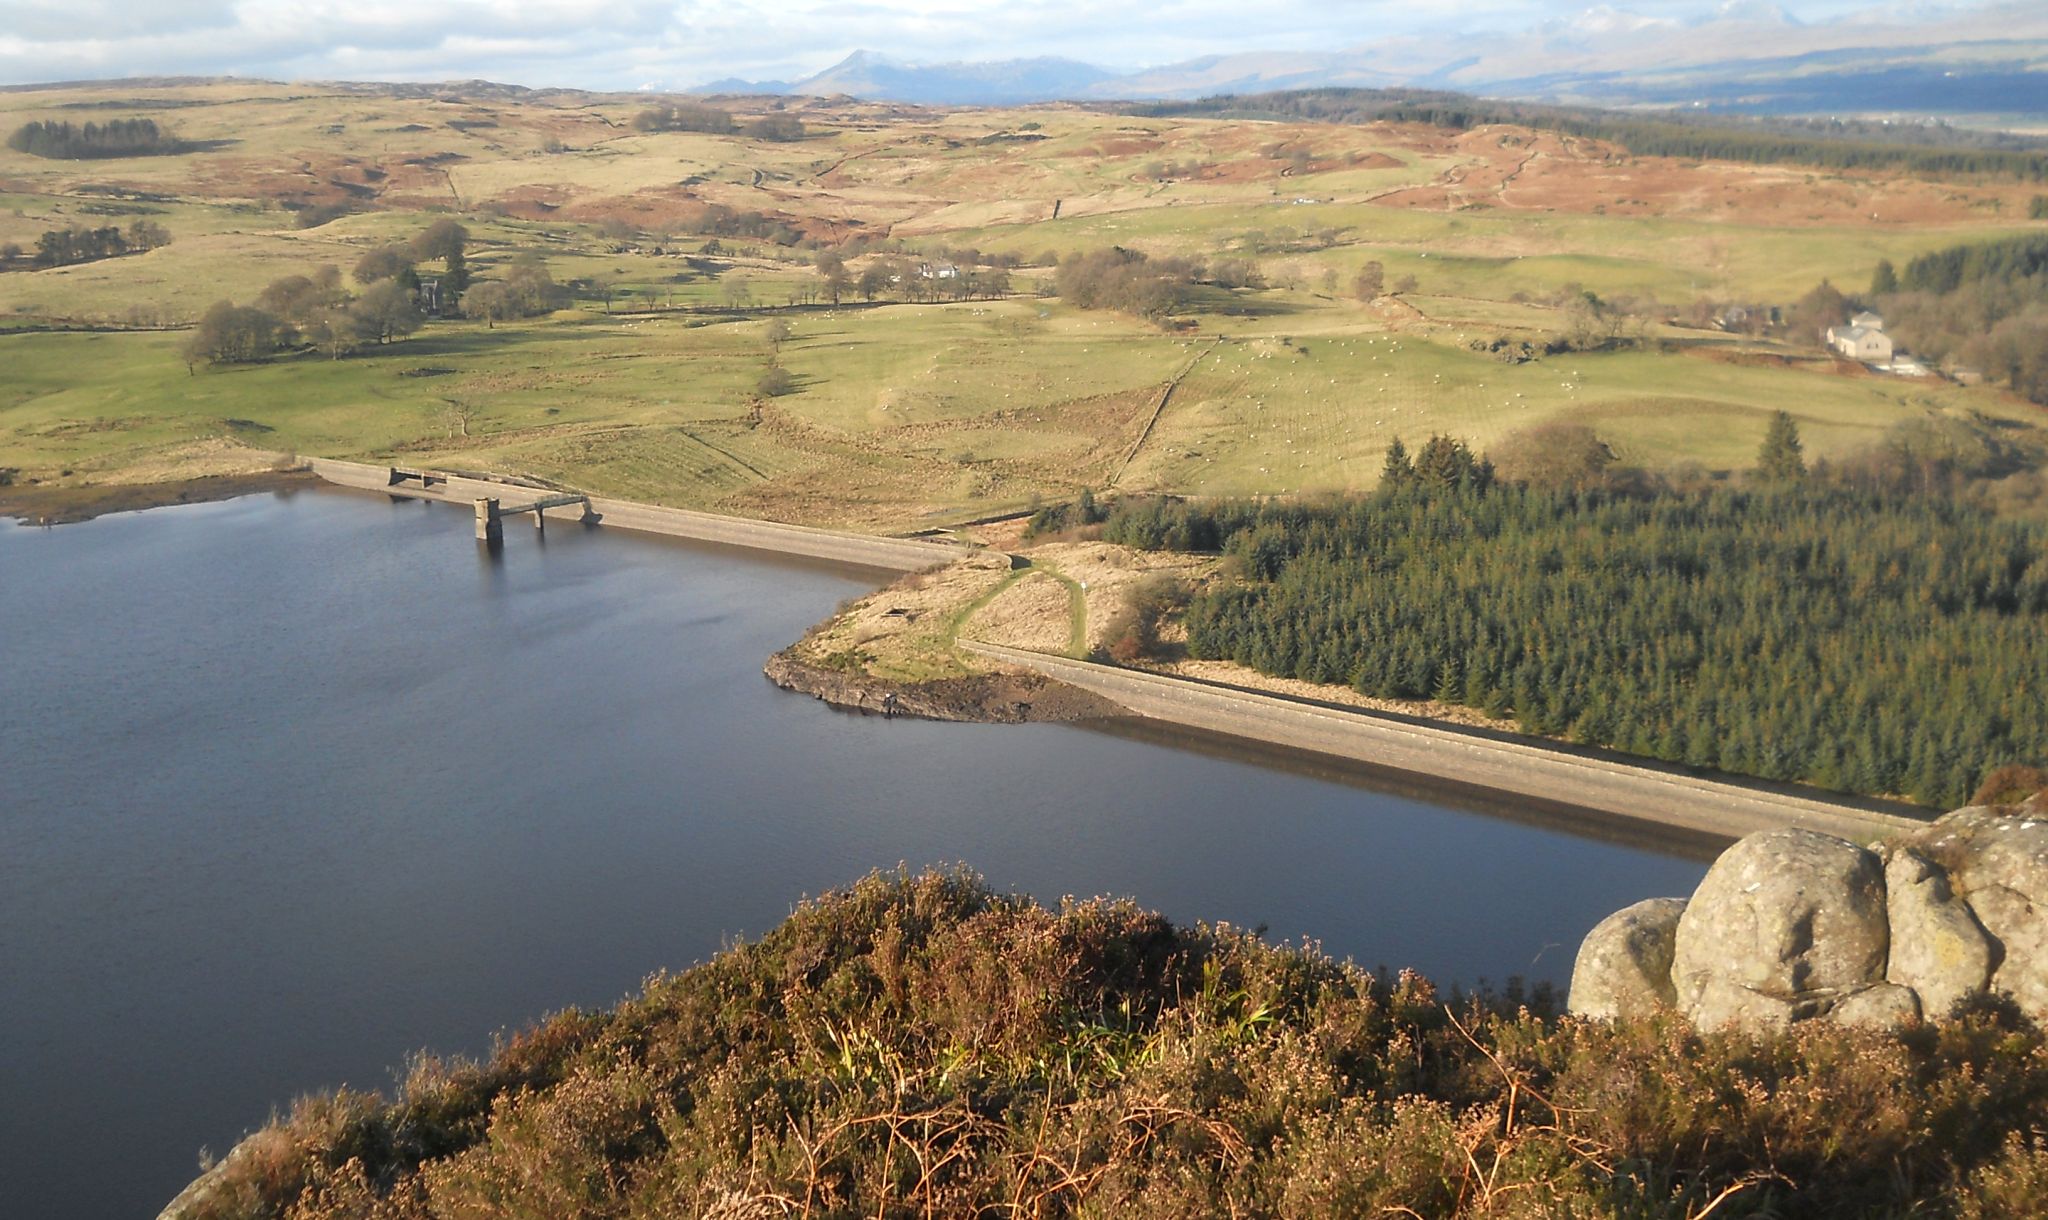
(680, 247)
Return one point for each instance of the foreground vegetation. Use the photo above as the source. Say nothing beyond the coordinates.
(921, 1046)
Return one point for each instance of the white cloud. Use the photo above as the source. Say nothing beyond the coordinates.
(621, 44)
(36, 21)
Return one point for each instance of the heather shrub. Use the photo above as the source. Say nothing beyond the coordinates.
(1133, 631)
(2010, 785)
(923, 1046)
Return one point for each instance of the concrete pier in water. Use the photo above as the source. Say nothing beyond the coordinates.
(837, 546)
(491, 514)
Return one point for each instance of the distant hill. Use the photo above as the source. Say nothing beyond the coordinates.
(866, 74)
(1749, 56)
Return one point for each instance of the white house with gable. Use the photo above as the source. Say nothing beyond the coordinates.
(1862, 338)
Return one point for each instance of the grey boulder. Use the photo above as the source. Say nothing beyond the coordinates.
(1624, 964)
(1785, 924)
(1885, 1006)
(1938, 948)
(1997, 862)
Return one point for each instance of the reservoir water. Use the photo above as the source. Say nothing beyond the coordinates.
(292, 786)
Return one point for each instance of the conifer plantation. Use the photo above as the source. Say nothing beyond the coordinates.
(1863, 642)
(95, 141)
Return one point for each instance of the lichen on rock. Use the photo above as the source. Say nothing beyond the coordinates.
(1939, 949)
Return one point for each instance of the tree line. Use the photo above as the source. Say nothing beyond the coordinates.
(1652, 135)
(685, 116)
(1793, 630)
(1132, 282)
(320, 312)
(719, 220)
(79, 244)
(94, 141)
(692, 116)
(1946, 270)
(1125, 280)
(910, 280)
(1983, 304)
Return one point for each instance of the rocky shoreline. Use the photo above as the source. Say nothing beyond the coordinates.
(992, 698)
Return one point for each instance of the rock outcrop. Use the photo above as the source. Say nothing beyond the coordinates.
(1997, 864)
(1791, 925)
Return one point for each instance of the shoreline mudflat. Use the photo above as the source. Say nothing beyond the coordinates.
(48, 504)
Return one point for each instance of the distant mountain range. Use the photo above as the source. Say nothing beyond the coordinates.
(1749, 56)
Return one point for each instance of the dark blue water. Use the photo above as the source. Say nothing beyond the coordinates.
(291, 787)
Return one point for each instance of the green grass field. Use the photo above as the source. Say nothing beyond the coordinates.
(912, 414)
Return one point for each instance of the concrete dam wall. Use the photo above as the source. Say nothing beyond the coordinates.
(1484, 760)
(890, 554)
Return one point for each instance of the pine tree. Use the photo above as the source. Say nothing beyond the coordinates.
(1780, 459)
(1398, 469)
(1885, 280)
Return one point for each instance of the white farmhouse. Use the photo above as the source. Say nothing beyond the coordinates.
(1862, 338)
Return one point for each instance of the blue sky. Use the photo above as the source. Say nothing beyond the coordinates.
(629, 44)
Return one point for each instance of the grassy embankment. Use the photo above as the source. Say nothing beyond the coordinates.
(920, 1046)
(908, 631)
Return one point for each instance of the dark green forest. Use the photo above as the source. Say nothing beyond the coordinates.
(1949, 269)
(1863, 642)
(93, 141)
(1931, 152)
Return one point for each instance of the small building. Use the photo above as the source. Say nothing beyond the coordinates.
(1861, 343)
(1868, 321)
